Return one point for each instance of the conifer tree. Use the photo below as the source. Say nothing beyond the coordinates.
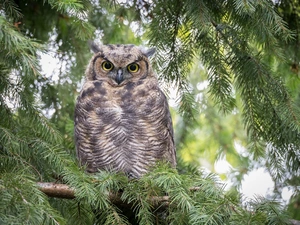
(233, 39)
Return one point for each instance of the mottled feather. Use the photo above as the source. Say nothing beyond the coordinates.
(125, 127)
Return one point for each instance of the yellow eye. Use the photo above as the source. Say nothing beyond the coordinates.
(133, 68)
(107, 66)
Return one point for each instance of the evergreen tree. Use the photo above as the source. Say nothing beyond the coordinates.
(239, 42)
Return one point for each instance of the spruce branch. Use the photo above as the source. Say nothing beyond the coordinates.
(58, 190)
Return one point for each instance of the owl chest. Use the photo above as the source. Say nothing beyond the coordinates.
(125, 105)
(122, 126)
(127, 110)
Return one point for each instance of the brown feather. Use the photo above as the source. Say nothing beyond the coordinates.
(124, 127)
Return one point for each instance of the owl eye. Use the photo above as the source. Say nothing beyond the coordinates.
(107, 66)
(133, 67)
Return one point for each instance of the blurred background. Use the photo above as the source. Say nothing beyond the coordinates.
(209, 135)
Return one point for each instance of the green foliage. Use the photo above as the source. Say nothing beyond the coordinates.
(22, 202)
(242, 49)
(193, 198)
(230, 47)
(233, 40)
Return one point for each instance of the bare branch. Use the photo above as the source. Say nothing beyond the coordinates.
(57, 190)
(64, 191)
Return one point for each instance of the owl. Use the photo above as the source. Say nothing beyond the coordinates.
(122, 118)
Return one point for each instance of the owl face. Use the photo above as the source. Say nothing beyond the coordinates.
(119, 64)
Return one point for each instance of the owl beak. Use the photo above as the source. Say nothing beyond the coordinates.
(119, 78)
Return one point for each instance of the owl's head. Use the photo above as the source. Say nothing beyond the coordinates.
(119, 64)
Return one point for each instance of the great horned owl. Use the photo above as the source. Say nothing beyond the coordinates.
(122, 119)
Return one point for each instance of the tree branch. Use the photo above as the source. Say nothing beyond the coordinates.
(56, 190)
(64, 191)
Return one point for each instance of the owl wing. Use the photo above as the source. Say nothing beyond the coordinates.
(154, 120)
(170, 151)
(85, 123)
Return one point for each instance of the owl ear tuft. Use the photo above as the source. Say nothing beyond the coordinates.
(148, 51)
(94, 47)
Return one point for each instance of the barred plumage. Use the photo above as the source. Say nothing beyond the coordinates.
(122, 119)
